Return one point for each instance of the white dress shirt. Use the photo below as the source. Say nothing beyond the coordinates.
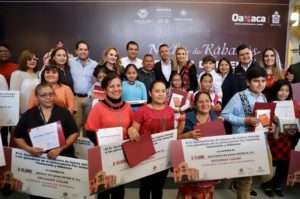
(137, 62)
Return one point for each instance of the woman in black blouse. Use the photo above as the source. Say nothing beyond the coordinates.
(44, 113)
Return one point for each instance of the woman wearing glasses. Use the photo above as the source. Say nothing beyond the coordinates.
(25, 78)
(46, 112)
(64, 95)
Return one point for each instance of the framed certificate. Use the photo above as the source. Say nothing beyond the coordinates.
(212, 128)
(264, 119)
(294, 169)
(296, 93)
(265, 106)
(177, 98)
(47, 136)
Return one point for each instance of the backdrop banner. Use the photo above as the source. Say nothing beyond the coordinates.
(204, 27)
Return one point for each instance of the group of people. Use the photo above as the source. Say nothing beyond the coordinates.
(63, 90)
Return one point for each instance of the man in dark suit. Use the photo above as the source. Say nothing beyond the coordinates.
(246, 61)
(164, 67)
(293, 74)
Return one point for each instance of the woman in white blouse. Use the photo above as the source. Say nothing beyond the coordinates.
(25, 78)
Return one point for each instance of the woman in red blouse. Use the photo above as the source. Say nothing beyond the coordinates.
(154, 117)
(110, 112)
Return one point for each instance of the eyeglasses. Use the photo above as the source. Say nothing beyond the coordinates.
(46, 95)
(31, 59)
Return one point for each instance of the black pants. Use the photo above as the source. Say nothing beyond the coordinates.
(153, 185)
(282, 167)
(4, 135)
(114, 193)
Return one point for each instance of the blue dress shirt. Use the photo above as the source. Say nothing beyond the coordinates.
(234, 111)
(82, 75)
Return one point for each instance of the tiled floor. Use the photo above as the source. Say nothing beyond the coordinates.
(220, 193)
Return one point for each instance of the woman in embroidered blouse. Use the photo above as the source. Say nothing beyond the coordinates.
(270, 61)
(186, 69)
(202, 113)
(153, 117)
(64, 95)
(110, 112)
(25, 78)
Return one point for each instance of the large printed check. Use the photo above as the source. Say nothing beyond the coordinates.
(60, 178)
(108, 167)
(220, 157)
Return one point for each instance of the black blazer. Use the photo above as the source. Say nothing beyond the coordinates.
(241, 73)
(295, 70)
(159, 74)
(230, 86)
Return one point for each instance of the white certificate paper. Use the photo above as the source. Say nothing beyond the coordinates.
(45, 137)
(109, 135)
(137, 102)
(9, 108)
(285, 109)
(2, 159)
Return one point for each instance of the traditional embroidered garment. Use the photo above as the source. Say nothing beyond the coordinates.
(184, 73)
(189, 77)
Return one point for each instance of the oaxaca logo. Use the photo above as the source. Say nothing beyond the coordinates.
(248, 19)
(276, 18)
(142, 13)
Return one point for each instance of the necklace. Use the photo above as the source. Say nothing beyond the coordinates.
(162, 121)
(42, 115)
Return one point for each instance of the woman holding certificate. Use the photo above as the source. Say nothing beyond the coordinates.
(201, 114)
(281, 144)
(154, 117)
(110, 112)
(44, 113)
